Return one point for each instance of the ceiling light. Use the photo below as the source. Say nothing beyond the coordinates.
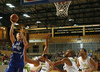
(16, 24)
(26, 15)
(10, 5)
(1, 17)
(38, 21)
(71, 19)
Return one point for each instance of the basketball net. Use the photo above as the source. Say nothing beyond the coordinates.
(62, 8)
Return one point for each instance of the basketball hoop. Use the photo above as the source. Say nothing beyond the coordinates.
(62, 8)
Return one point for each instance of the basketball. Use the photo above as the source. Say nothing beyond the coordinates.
(14, 17)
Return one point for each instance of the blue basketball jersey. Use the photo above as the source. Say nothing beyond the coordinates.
(18, 48)
(16, 63)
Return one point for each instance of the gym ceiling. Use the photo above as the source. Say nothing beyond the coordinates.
(82, 12)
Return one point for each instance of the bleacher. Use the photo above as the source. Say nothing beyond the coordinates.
(63, 39)
(37, 36)
(90, 38)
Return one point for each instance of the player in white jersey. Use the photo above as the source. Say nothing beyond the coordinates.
(68, 61)
(37, 62)
(85, 62)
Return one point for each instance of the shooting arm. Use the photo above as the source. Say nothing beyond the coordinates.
(12, 38)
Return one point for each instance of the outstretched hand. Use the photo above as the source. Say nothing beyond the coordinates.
(48, 35)
(12, 22)
(21, 31)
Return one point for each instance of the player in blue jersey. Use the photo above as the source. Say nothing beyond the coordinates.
(16, 63)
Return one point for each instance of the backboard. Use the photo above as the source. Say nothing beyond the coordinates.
(34, 2)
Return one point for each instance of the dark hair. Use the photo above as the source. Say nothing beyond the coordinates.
(84, 50)
(41, 60)
(48, 55)
(71, 52)
(19, 32)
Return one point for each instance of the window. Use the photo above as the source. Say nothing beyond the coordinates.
(27, 50)
(43, 47)
(35, 49)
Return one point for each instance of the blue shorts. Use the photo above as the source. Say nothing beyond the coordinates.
(12, 69)
(15, 66)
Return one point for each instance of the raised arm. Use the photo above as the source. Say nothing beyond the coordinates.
(47, 44)
(12, 38)
(24, 39)
(35, 62)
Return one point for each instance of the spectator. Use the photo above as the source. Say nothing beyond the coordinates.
(90, 54)
(0, 53)
(95, 58)
(4, 58)
(98, 65)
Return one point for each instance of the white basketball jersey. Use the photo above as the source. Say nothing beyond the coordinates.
(72, 68)
(34, 68)
(84, 64)
(45, 67)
